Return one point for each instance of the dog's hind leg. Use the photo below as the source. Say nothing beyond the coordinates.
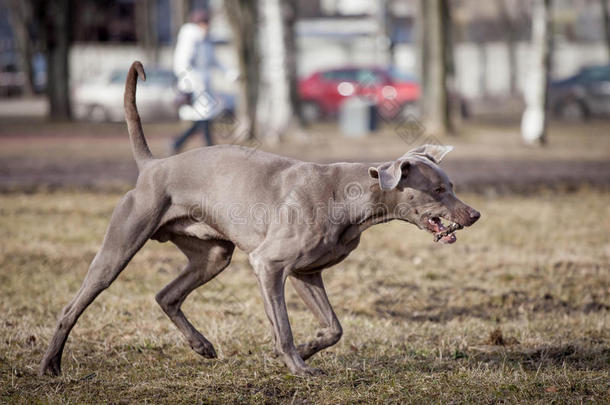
(310, 288)
(134, 220)
(207, 258)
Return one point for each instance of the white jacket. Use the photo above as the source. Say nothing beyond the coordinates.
(194, 60)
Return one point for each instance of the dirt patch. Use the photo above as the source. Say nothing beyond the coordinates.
(499, 176)
(496, 338)
(29, 174)
(490, 159)
(510, 305)
(572, 355)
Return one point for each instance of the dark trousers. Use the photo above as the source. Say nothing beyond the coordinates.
(204, 126)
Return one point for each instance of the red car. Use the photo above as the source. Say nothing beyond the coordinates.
(323, 92)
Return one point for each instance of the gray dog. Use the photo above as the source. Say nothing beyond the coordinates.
(292, 218)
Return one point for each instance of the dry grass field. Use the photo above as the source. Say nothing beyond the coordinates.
(516, 311)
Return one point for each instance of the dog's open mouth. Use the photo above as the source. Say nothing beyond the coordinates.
(442, 233)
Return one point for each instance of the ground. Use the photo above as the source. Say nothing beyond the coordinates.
(37, 155)
(515, 311)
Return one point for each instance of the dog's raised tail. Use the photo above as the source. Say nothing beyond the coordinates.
(139, 147)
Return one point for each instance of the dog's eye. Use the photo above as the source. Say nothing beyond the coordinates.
(439, 190)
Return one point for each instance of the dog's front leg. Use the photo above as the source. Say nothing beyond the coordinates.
(310, 288)
(271, 282)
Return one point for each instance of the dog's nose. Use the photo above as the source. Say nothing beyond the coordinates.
(474, 215)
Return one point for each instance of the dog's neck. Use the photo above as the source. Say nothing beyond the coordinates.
(360, 199)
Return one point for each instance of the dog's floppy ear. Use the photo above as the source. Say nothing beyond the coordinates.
(389, 174)
(435, 153)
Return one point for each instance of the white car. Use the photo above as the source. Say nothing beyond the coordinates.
(101, 99)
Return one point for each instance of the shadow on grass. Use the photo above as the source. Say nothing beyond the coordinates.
(508, 305)
(572, 356)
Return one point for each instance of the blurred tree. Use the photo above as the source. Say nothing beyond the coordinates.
(483, 67)
(534, 120)
(275, 113)
(510, 28)
(606, 18)
(435, 19)
(289, 17)
(146, 28)
(57, 44)
(385, 44)
(243, 17)
(179, 15)
(21, 15)
(453, 104)
(53, 18)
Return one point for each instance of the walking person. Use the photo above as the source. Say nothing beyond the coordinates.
(194, 60)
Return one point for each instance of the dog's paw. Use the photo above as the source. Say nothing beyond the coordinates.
(308, 372)
(205, 349)
(307, 350)
(50, 366)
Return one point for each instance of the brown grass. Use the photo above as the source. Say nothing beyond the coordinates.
(419, 318)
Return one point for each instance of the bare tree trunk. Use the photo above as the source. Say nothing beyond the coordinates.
(20, 16)
(290, 15)
(511, 43)
(384, 46)
(179, 15)
(274, 107)
(56, 33)
(449, 67)
(482, 54)
(606, 17)
(434, 76)
(146, 28)
(243, 18)
(534, 121)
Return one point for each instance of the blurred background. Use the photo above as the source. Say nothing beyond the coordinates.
(320, 80)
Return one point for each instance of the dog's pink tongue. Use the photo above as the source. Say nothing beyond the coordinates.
(448, 239)
(438, 227)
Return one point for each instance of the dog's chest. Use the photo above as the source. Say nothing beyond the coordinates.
(327, 254)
